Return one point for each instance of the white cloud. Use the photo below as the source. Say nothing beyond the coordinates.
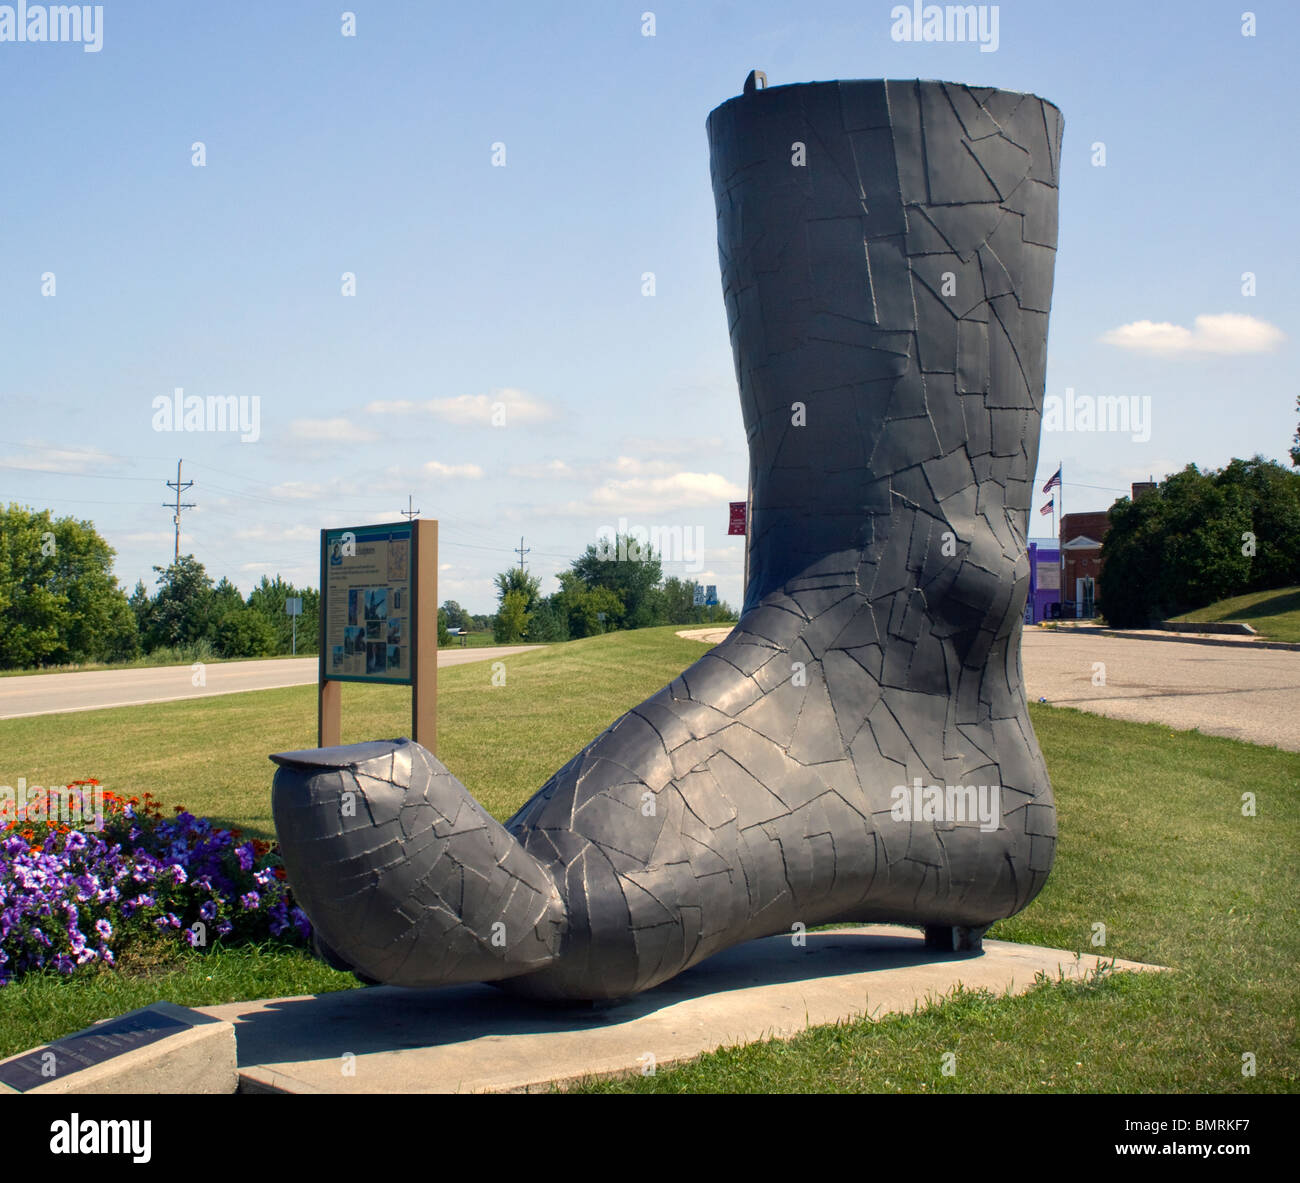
(651, 496)
(436, 468)
(682, 445)
(343, 430)
(550, 471)
(1228, 332)
(48, 458)
(152, 536)
(505, 407)
(297, 490)
(278, 533)
(630, 466)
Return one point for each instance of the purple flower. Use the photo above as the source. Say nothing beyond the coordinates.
(208, 910)
(249, 901)
(104, 928)
(245, 856)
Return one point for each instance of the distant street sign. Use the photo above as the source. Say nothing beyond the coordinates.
(293, 605)
(711, 596)
(737, 524)
(699, 596)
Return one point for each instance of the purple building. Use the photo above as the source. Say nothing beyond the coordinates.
(1044, 580)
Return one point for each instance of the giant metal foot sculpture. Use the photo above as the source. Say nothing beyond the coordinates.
(887, 252)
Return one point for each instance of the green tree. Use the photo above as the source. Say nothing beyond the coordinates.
(59, 600)
(225, 598)
(549, 623)
(1200, 537)
(456, 616)
(444, 637)
(516, 579)
(268, 598)
(181, 611)
(1295, 442)
(512, 619)
(631, 570)
(582, 606)
(1272, 493)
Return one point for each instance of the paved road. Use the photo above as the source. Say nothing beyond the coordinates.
(1236, 691)
(51, 694)
(1231, 690)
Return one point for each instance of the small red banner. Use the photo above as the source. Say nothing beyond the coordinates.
(737, 518)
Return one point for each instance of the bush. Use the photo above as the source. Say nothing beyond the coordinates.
(244, 632)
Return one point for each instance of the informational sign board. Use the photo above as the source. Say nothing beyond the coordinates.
(737, 524)
(1049, 577)
(366, 604)
(293, 605)
(378, 617)
(699, 596)
(711, 594)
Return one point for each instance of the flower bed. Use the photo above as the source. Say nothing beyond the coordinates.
(77, 898)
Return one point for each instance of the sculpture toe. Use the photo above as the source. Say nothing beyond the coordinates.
(405, 877)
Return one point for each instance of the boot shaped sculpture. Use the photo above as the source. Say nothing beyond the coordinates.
(858, 749)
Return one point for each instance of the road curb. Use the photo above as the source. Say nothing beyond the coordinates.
(1177, 638)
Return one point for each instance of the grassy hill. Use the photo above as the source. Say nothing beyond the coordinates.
(1273, 614)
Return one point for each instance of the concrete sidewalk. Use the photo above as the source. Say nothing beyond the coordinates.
(479, 1039)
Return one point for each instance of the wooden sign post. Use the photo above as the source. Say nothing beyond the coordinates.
(379, 620)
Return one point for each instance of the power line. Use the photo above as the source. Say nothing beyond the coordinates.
(408, 513)
(180, 487)
(521, 550)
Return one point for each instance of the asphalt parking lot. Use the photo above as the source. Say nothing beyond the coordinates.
(1232, 690)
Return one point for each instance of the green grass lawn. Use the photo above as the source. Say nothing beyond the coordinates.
(1152, 844)
(1273, 614)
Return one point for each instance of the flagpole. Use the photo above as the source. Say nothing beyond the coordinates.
(1060, 540)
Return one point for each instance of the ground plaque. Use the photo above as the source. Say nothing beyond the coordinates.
(146, 1050)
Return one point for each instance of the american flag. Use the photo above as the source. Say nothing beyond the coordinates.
(1051, 505)
(1054, 482)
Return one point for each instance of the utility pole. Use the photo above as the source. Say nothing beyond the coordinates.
(177, 506)
(408, 512)
(521, 550)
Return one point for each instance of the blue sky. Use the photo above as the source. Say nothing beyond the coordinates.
(480, 287)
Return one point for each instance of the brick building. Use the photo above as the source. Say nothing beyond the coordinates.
(1081, 537)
